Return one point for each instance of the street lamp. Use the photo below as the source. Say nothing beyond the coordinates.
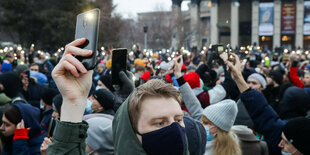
(145, 27)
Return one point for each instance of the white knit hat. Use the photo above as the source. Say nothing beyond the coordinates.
(259, 78)
(222, 114)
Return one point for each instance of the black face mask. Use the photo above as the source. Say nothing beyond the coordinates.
(165, 141)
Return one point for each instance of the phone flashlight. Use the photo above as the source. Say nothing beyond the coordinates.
(89, 15)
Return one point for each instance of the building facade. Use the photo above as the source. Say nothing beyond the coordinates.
(268, 23)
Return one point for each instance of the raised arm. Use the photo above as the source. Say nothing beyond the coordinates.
(74, 83)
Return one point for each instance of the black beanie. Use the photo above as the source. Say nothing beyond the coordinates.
(48, 96)
(57, 102)
(105, 98)
(106, 80)
(11, 83)
(295, 103)
(276, 76)
(297, 132)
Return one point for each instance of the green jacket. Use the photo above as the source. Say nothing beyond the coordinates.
(68, 138)
(125, 139)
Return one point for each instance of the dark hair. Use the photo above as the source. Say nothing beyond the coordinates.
(57, 102)
(34, 64)
(13, 115)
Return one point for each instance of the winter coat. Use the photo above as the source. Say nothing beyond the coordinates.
(34, 93)
(45, 122)
(266, 120)
(31, 146)
(124, 136)
(69, 138)
(249, 144)
(293, 74)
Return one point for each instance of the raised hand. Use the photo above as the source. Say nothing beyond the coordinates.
(73, 81)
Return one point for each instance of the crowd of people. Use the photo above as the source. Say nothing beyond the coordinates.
(167, 102)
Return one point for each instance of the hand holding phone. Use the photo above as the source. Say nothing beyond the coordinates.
(87, 26)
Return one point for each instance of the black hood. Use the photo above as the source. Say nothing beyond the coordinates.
(295, 103)
(11, 83)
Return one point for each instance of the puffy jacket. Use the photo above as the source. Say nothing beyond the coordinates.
(266, 120)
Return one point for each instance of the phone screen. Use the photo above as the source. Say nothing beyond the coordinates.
(119, 63)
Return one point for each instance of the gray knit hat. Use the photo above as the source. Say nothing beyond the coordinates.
(222, 114)
(100, 135)
(259, 78)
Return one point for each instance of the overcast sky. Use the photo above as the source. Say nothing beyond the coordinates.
(130, 8)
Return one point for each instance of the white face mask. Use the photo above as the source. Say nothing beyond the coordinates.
(98, 87)
(88, 108)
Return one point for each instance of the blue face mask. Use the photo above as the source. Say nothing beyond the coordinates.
(41, 105)
(167, 140)
(222, 79)
(209, 136)
(88, 108)
(284, 153)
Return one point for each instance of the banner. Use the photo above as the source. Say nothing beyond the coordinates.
(288, 18)
(307, 18)
(265, 19)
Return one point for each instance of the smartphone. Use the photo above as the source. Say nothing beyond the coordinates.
(219, 49)
(119, 63)
(87, 26)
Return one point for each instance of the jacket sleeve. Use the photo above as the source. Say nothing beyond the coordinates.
(294, 77)
(217, 94)
(191, 101)
(68, 138)
(20, 147)
(230, 86)
(266, 121)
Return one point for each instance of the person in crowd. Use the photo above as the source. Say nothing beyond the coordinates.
(103, 101)
(20, 129)
(249, 144)
(10, 85)
(57, 102)
(99, 135)
(295, 103)
(268, 122)
(142, 126)
(46, 105)
(99, 71)
(105, 82)
(293, 74)
(6, 65)
(257, 81)
(31, 90)
(34, 67)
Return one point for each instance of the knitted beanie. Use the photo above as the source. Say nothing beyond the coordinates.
(99, 135)
(276, 76)
(222, 114)
(48, 95)
(297, 132)
(192, 79)
(105, 98)
(259, 78)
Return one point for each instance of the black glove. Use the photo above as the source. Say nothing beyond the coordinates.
(126, 86)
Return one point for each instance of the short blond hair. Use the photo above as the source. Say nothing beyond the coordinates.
(153, 88)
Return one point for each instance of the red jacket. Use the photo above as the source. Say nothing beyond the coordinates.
(294, 77)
